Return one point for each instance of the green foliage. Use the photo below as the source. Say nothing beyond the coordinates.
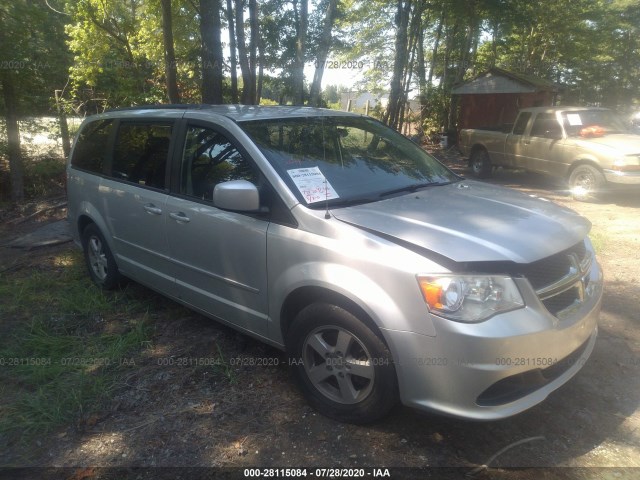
(33, 53)
(44, 176)
(267, 101)
(113, 51)
(331, 94)
(60, 361)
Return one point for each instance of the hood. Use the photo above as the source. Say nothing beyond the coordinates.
(472, 222)
(625, 143)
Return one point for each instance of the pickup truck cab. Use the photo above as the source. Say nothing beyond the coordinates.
(590, 148)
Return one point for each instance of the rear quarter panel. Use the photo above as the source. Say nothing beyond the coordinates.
(492, 141)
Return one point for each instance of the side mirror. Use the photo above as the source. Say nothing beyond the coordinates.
(237, 195)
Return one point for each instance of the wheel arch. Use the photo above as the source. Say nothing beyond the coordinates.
(583, 161)
(82, 223)
(88, 214)
(301, 297)
(478, 147)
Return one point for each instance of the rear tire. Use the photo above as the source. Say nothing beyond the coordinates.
(99, 259)
(343, 368)
(586, 183)
(480, 164)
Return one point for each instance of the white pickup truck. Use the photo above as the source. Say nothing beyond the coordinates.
(591, 148)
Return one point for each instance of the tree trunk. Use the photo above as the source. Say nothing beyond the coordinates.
(446, 82)
(323, 52)
(414, 34)
(494, 43)
(233, 62)
(247, 87)
(170, 69)
(474, 53)
(211, 51)
(260, 70)
(421, 72)
(64, 128)
(16, 170)
(302, 17)
(465, 56)
(254, 39)
(391, 116)
(434, 53)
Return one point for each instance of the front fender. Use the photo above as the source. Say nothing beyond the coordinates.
(383, 309)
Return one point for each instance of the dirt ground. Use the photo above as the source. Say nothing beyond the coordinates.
(172, 414)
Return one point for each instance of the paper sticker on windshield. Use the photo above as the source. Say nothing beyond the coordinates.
(574, 119)
(312, 184)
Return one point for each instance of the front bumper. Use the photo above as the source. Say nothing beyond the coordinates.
(623, 178)
(499, 367)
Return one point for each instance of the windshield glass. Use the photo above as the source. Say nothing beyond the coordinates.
(344, 160)
(592, 123)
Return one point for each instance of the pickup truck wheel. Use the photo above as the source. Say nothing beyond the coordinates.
(481, 164)
(99, 259)
(343, 368)
(586, 183)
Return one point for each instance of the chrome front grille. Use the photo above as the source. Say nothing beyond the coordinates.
(560, 280)
(551, 269)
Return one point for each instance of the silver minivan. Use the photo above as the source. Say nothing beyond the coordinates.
(384, 275)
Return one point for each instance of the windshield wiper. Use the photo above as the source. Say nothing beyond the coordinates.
(412, 188)
(339, 203)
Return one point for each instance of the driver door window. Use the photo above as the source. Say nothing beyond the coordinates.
(546, 126)
(210, 158)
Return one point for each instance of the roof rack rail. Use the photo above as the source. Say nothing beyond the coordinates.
(164, 106)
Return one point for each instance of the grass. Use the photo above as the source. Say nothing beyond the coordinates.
(222, 366)
(63, 346)
(598, 240)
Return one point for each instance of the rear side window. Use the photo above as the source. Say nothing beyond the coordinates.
(141, 152)
(91, 146)
(521, 123)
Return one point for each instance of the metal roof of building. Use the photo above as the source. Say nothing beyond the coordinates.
(497, 80)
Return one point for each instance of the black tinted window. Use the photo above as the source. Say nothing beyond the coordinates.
(521, 123)
(91, 146)
(210, 158)
(141, 152)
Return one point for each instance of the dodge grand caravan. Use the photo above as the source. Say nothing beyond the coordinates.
(384, 275)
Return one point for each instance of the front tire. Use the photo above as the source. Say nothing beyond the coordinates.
(343, 368)
(99, 259)
(480, 163)
(586, 183)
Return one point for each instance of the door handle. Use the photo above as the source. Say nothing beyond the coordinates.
(180, 217)
(152, 209)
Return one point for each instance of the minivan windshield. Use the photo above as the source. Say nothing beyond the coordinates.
(340, 160)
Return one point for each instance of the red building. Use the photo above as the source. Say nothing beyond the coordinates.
(494, 97)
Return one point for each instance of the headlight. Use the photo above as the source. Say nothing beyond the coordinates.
(469, 298)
